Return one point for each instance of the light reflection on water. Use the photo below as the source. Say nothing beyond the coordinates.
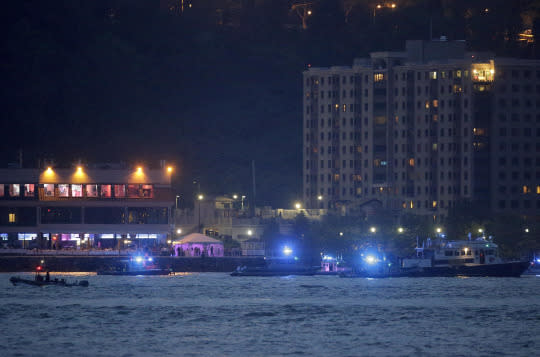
(212, 314)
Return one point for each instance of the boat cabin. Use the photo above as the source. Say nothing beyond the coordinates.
(451, 253)
(331, 265)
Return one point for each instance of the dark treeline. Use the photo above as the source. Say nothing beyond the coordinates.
(211, 87)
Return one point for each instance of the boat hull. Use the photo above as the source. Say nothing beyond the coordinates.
(510, 269)
(16, 280)
(272, 272)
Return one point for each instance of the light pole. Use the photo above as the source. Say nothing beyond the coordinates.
(200, 198)
(176, 201)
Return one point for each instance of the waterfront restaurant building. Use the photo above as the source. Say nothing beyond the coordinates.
(422, 129)
(83, 208)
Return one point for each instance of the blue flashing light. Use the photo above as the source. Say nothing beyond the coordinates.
(370, 259)
(138, 259)
(328, 257)
(538, 260)
(287, 251)
(150, 259)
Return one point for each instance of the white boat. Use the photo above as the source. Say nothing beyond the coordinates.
(478, 257)
(442, 258)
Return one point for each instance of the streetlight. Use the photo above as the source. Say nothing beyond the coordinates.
(526, 230)
(438, 230)
(380, 6)
(249, 232)
(297, 205)
(400, 230)
(179, 231)
(341, 234)
(373, 229)
(319, 197)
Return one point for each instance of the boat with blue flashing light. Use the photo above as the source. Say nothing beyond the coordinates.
(136, 266)
(468, 258)
(534, 268)
(276, 267)
(331, 265)
(285, 265)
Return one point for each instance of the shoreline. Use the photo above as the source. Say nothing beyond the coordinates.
(20, 264)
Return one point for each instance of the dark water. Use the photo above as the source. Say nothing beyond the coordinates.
(212, 314)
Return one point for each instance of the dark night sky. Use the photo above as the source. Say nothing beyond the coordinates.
(118, 80)
(147, 86)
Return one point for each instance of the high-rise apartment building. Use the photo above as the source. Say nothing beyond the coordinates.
(423, 129)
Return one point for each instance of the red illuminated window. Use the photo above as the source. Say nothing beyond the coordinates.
(76, 191)
(119, 191)
(63, 190)
(133, 191)
(48, 189)
(106, 191)
(29, 190)
(147, 191)
(91, 191)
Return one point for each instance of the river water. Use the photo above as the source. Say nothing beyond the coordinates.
(213, 314)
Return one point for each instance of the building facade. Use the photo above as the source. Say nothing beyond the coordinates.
(423, 129)
(55, 208)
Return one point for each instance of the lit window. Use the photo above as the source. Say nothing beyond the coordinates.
(48, 189)
(91, 191)
(380, 120)
(526, 189)
(133, 191)
(434, 204)
(106, 191)
(411, 162)
(411, 204)
(63, 190)
(12, 218)
(147, 191)
(1, 190)
(433, 75)
(29, 190)
(427, 104)
(15, 190)
(377, 77)
(538, 190)
(119, 191)
(76, 191)
(435, 103)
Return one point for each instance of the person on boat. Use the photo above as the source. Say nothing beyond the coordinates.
(47, 276)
